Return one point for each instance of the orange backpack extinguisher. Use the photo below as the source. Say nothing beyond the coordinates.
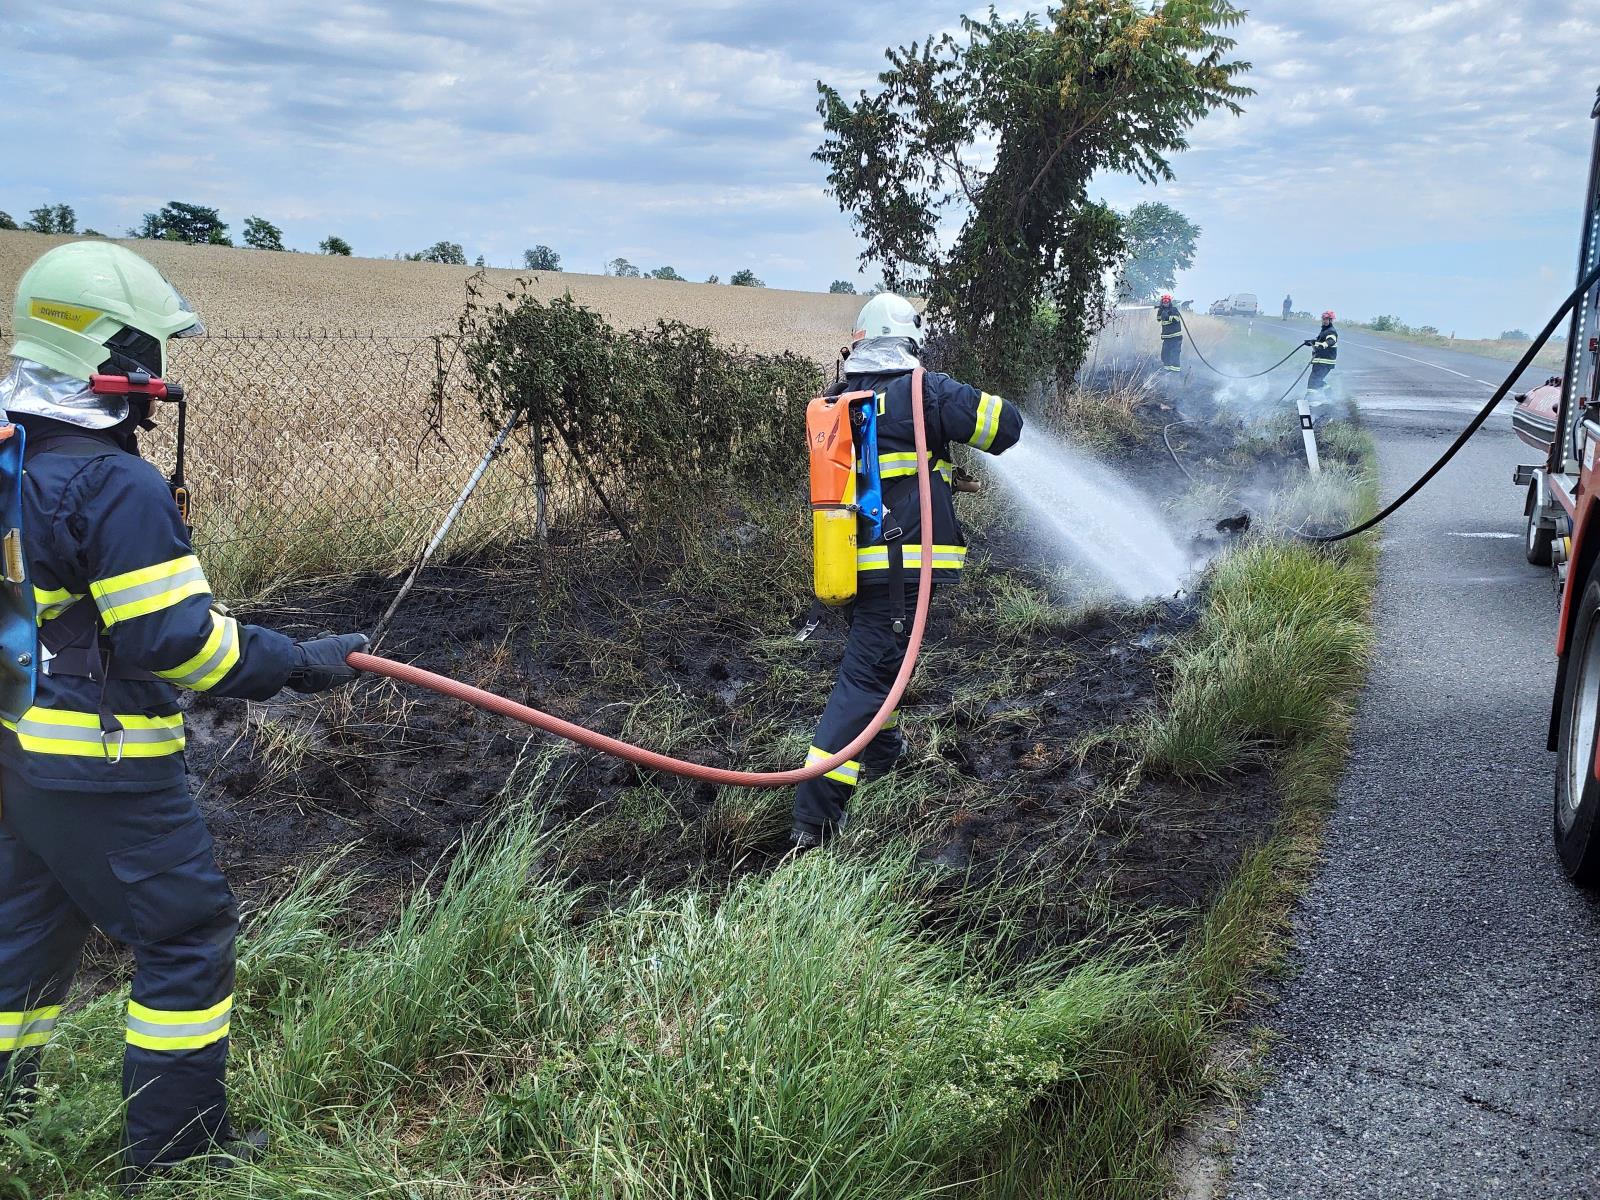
(834, 495)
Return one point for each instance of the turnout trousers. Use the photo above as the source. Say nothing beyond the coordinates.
(872, 657)
(1319, 377)
(1172, 352)
(140, 867)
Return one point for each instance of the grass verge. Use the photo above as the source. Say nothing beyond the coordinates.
(796, 1033)
(1552, 357)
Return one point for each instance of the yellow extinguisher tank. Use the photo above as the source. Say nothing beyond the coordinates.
(833, 496)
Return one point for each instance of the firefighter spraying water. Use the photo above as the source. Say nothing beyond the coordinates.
(869, 532)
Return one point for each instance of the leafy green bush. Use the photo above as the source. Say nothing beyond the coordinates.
(657, 410)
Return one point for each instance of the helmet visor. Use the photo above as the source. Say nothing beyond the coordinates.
(198, 329)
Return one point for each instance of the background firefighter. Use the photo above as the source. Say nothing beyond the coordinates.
(1171, 333)
(888, 335)
(1324, 353)
(97, 827)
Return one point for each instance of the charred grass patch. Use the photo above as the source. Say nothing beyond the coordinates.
(593, 982)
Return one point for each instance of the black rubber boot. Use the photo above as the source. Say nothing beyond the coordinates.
(232, 1150)
(877, 770)
(19, 1089)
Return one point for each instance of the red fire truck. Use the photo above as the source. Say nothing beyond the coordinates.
(1562, 418)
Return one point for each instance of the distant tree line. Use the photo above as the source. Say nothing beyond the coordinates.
(621, 268)
(199, 225)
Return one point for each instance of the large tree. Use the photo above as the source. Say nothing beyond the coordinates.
(262, 234)
(541, 258)
(179, 222)
(967, 173)
(449, 253)
(334, 244)
(1161, 242)
(53, 218)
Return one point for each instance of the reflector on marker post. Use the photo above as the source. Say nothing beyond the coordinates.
(1309, 434)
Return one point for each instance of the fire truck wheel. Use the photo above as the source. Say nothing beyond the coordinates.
(1538, 541)
(1577, 799)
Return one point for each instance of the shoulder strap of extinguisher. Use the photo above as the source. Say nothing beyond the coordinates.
(73, 640)
(895, 538)
(77, 649)
(76, 445)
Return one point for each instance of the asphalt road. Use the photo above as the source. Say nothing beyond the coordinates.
(1441, 1034)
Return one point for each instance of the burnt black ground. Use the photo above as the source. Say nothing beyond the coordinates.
(390, 779)
(1439, 1036)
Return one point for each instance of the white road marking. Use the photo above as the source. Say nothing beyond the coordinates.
(1497, 536)
(1424, 362)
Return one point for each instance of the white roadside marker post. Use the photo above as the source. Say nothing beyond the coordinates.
(1309, 434)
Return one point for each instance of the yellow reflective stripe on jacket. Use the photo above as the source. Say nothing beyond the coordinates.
(217, 657)
(50, 603)
(1323, 362)
(901, 463)
(847, 772)
(988, 426)
(59, 731)
(945, 558)
(28, 1028)
(149, 589)
(181, 1029)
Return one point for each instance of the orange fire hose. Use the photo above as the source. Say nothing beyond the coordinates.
(489, 702)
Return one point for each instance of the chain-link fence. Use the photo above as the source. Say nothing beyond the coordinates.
(327, 453)
(330, 452)
(319, 452)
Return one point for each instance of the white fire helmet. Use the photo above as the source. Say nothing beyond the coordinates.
(888, 315)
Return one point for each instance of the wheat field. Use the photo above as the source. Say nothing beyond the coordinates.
(310, 455)
(236, 289)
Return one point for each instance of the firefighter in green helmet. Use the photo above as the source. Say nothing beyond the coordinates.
(97, 826)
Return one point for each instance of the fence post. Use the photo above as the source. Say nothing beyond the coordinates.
(541, 481)
(594, 484)
(444, 526)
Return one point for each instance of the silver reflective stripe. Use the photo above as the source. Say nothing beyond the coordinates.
(124, 597)
(11, 1033)
(168, 1032)
(81, 733)
(230, 640)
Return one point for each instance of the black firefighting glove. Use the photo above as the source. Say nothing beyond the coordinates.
(320, 663)
(1309, 342)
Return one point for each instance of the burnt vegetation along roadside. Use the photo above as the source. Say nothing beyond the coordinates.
(1041, 753)
(479, 958)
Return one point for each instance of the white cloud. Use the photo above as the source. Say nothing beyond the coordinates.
(1392, 143)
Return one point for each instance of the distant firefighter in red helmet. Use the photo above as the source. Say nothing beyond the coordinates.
(1171, 333)
(1324, 353)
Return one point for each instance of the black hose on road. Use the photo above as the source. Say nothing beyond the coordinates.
(1523, 363)
(1223, 373)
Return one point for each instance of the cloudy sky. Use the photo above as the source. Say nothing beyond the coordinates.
(1422, 159)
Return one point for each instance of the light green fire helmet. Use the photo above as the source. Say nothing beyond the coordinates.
(94, 306)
